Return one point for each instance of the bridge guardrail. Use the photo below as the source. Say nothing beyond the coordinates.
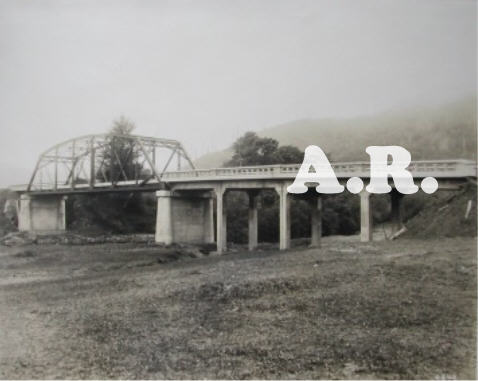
(419, 169)
(441, 168)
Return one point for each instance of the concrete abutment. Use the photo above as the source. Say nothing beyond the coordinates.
(185, 217)
(42, 214)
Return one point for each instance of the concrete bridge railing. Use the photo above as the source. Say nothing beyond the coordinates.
(419, 169)
(437, 168)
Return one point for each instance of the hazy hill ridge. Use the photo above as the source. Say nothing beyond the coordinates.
(444, 132)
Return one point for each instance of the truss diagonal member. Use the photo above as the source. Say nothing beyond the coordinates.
(148, 159)
(164, 169)
(35, 171)
(186, 156)
(168, 162)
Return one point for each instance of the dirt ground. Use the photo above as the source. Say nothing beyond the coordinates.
(401, 309)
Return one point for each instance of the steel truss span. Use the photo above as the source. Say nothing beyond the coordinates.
(111, 159)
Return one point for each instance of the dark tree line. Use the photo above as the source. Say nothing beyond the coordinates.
(250, 149)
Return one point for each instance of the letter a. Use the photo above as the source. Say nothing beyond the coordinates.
(379, 170)
(323, 174)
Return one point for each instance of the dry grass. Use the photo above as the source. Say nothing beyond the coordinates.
(401, 309)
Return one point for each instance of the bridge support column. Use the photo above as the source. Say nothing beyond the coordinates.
(315, 221)
(45, 214)
(221, 216)
(366, 225)
(284, 217)
(164, 222)
(253, 224)
(209, 220)
(396, 215)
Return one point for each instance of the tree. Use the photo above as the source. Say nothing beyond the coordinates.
(120, 154)
(250, 149)
(288, 155)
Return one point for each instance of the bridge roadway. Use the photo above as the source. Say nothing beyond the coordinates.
(185, 210)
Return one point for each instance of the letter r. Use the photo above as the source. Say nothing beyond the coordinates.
(380, 169)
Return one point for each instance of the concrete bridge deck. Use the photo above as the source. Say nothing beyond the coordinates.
(448, 172)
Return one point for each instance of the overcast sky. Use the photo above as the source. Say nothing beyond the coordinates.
(203, 72)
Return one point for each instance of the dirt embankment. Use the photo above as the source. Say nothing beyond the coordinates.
(446, 214)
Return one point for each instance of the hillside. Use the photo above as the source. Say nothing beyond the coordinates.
(448, 131)
(443, 214)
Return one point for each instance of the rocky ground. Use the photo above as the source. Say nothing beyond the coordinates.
(400, 309)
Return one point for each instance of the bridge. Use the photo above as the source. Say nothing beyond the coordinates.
(189, 198)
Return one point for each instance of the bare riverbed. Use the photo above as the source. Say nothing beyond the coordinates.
(400, 309)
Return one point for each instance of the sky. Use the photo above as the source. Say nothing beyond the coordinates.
(204, 72)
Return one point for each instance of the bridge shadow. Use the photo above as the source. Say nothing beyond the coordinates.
(114, 213)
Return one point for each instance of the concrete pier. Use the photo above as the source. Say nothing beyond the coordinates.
(209, 220)
(184, 217)
(315, 221)
(164, 224)
(253, 219)
(42, 214)
(221, 217)
(366, 224)
(396, 215)
(284, 217)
